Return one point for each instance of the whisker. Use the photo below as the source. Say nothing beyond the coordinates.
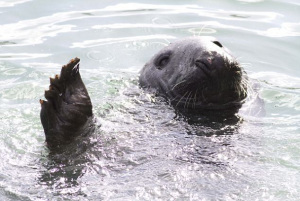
(195, 98)
(245, 86)
(174, 98)
(181, 98)
(178, 84)
(187, 100)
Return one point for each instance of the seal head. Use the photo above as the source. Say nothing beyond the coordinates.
(196, 73)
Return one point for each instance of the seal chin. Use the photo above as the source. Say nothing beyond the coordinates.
(205, 100)
(190, 104)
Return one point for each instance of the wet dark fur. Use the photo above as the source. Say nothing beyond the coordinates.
(67, 112)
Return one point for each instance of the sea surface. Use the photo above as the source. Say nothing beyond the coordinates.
(142, 149)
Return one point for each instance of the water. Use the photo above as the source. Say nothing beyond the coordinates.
(144, 150)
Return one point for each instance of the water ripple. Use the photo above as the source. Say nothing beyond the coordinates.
(36, 31)
(12, 3)
(21, 56)
(105, 41)
(144, 149)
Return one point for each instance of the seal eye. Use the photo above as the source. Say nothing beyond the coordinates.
(162, 60)
(218, 43)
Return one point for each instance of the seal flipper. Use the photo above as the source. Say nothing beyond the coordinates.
(68, 110)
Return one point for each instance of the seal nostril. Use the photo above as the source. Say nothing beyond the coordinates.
(204, 66)
(218, 43)
(203, 63)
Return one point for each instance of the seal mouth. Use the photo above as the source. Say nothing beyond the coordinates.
(204, 94)
(188, 103)
(196, 101)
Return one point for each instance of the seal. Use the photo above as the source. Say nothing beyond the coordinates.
(67, 113)
(196, 73)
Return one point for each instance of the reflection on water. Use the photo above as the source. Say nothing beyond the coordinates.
(112, 154)
(144, 149)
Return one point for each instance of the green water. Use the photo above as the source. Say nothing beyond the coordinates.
(143, 151)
